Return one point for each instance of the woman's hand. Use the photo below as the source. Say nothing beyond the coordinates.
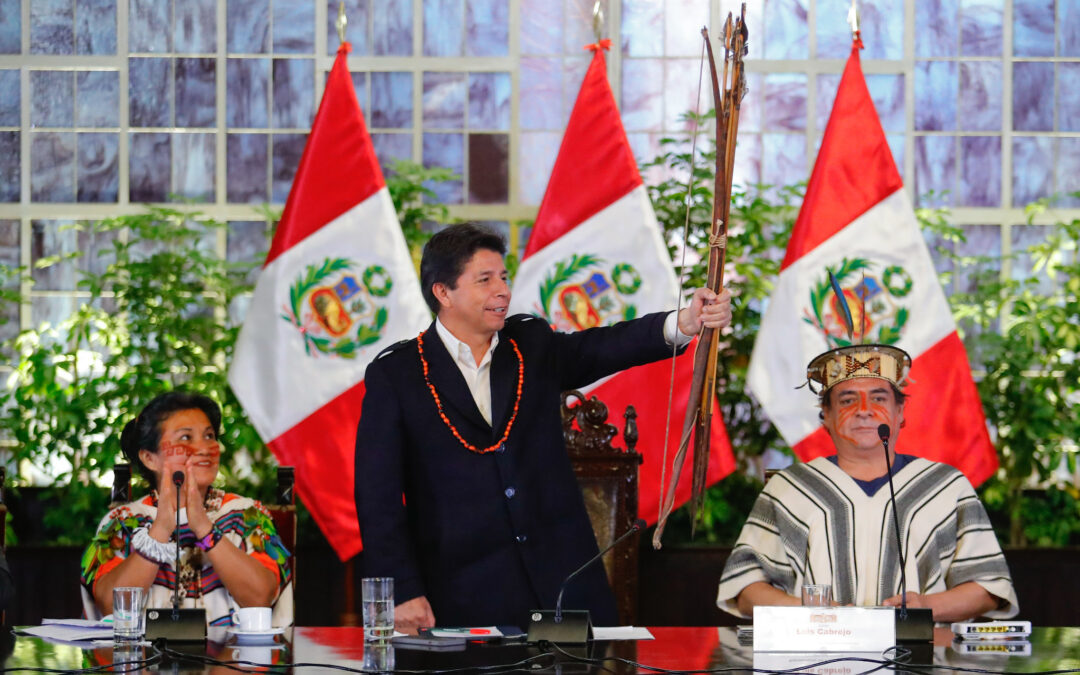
(198, 521)
(165, 521)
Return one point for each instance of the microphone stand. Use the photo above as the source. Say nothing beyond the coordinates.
(573, 626)
(915, 624)
(178, 625)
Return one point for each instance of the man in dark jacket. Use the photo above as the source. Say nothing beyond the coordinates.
(464, 422)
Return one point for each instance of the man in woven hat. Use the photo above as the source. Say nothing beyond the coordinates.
(829, 521)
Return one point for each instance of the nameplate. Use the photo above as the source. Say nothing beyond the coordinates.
(824, 629)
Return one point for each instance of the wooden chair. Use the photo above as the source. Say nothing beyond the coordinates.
(609, 483)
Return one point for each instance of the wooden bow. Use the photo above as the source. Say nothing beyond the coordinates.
(727, 101)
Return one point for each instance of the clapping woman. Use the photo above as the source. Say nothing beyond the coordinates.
(230, 554)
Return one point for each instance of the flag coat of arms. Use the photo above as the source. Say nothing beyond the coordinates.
(596, 257)
(857, 222)
(338, 286)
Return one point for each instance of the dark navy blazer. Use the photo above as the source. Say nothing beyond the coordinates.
(486, 538)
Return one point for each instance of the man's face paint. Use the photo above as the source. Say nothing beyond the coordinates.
(858, 408)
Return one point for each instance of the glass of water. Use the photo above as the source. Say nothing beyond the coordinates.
(129, 621)
(817, 595)
(377, 595)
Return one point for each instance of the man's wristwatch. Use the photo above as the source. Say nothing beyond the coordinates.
(211, 539)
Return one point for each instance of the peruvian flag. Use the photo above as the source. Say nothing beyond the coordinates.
(595, 257)
(857, 221)
(338, 286)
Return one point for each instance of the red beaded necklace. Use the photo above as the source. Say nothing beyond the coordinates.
(446, 420)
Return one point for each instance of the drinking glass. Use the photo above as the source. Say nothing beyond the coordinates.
(377, 595)
(817, 595)
(129, 621)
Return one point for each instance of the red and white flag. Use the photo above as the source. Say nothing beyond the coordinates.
(596, 256)
(858, 222)
(338, 286)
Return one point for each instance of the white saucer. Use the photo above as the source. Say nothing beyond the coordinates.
(255, 636)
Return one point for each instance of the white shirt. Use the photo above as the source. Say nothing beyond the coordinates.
(478, 377)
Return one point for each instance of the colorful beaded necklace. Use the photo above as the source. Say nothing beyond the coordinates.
(446, 420)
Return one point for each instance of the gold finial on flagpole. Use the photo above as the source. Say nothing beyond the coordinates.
(598, 21)
(853, 19)
(341, 22)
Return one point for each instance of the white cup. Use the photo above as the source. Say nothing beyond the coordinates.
(253, 619)
(261, 655)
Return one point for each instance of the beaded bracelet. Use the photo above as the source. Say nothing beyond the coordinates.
(211, 539)
(152, 549)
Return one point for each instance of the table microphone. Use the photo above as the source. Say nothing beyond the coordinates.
(919, 625)
(573, 625)
(179, 625)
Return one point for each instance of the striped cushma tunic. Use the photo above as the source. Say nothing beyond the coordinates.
(813, 524)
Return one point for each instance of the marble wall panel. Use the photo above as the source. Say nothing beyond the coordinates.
(247, 170)
(487, 27)
(980, 96)
(293, 26)
(391, 100)
(1021, 239)
(446, 151)
(542, 26)
(783, 159)
(981, 27)
(489, 168)
(150, 162)
(294, 93)
(444, 27)
(748, 160)
(195, 26)
(785, 102)
(983, 241)
(10, 26)
(10, 255)
(247, 93)
(573, 74)
(52, 167)
(392, 27)
(683, 20)
(149, 28)
(392, 147)
(97, 98)
(247, 241)
(887, 92)
(751, 117)
(935, 170)
(1068, 93)
(63, 237)
(9, 98)
(535, 161)
(646, 146)
(825, 90)
(52, 309)
(641, 23)
(540, 93)
(194, 166)
(98, 173)
(1033, 169)
(680, 90)
(1033, 27)
(52, 98)
(150, 92)
(359, 83)
(489, 101)
(937, 28)
(577, 29)
(247, 26)
(1068, 34)
(642, 106)
(52, 27)
(444, 100)
(196, 92)
(1067, 170)
(1033, 100)
(785, 29)
(897, 146)
(936, 84)
(10, 161)
(287, 150)
(880, 23)
(358, 13)
(980, 171)
(95, 27)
